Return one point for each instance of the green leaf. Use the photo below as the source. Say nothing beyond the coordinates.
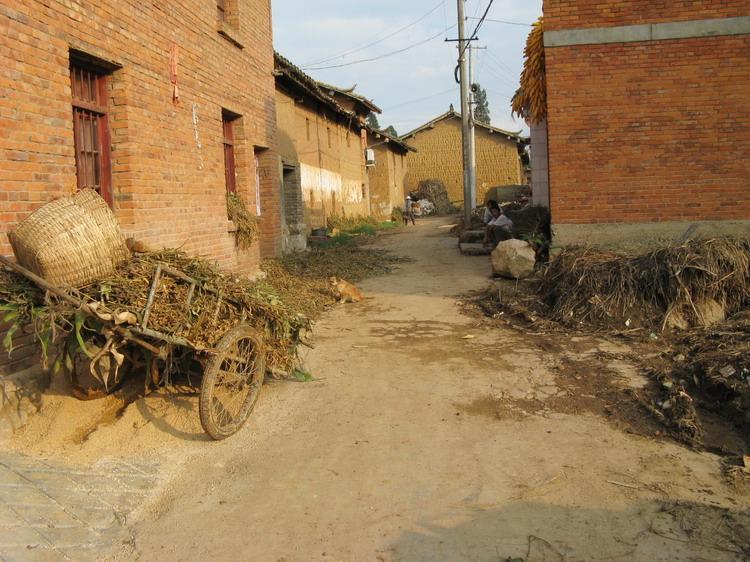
(44, 341)
(79, 321)
(8, 339)
(12, 315)
(302, 376)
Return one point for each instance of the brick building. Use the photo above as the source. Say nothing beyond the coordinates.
(160, 106)
(439, 156)
(158, 92)
(648, 118)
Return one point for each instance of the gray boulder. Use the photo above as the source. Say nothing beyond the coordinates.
(514, 259)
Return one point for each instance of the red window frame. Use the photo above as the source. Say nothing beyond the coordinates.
(230, 168)
(91, 136)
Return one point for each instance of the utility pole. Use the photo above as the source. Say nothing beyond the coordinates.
(472, 136)
(466, 125)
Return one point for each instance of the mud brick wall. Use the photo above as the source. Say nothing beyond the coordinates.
(167, 159)
(386, 178)
(330, 151)
(439, 156)
(648, 131)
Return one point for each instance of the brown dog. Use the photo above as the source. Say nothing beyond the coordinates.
(345, 291)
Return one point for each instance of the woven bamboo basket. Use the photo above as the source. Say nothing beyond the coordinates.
(70, 241)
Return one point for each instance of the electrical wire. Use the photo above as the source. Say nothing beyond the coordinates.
(373, 43)
(507, 22)
(384, 55)
(473, 35)
(416, 100)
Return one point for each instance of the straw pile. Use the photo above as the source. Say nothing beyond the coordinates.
(435, 192)
(675, 286)
(247, 225)
(348, 261)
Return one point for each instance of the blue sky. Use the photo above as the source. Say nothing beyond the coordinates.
(417, 84)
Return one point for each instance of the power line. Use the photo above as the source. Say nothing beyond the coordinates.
(507, 22)
(384, 55)
(409, 102)
(501, 94)
(501, 64)
(366, 46)
(473, 35)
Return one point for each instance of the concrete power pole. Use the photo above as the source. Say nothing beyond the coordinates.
(472, 129)
(466, 121)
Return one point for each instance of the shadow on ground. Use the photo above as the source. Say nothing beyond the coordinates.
(536, 532)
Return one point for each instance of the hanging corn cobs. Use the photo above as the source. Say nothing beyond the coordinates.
(530, 100)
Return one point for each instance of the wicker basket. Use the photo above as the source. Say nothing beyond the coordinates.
(71, 241)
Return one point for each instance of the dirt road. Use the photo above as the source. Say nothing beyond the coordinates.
(407, 447)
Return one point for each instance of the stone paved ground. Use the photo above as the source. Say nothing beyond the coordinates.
(52, 511)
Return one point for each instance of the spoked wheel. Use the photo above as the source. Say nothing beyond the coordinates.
(231, 382)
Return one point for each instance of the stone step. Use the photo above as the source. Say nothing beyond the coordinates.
(471, 236)
(469, 249)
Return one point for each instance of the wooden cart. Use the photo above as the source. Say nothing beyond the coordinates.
(233, 370)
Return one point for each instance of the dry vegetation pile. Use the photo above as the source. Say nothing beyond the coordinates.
(247, 225)
(219, 302)
(435, 192)
(670, 286)
(350, 261)
(710, 372)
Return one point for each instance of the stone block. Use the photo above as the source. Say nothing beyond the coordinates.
(515, 259)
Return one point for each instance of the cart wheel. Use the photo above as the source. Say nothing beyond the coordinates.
(231, 382)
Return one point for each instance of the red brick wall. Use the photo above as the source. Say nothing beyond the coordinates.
(649, 131)
(168, 167)
(578, 14)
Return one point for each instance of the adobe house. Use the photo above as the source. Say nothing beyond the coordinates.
(387, 168)
(161, 107)
(439, 156)
(387, 173)
(322, 146)
(648, 118)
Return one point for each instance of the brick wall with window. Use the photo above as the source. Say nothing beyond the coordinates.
(129, 97)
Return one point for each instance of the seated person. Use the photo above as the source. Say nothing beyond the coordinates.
(499, 228)
(487, 213)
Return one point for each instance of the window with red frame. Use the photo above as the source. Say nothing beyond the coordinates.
(230, 169)
(91, 129)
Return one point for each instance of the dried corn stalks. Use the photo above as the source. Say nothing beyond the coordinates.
(530, 100)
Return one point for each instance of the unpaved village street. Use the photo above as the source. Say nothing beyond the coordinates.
(415, 442)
